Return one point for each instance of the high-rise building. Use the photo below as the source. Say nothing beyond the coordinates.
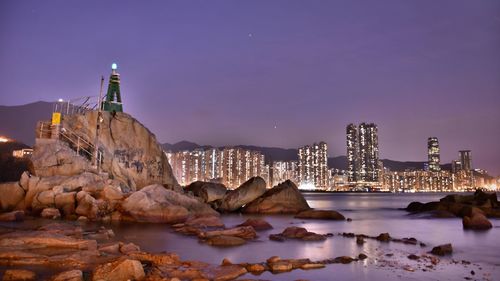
(352, 153)
(313, 165)
(433, 154)
(466, 160)
(362, 153)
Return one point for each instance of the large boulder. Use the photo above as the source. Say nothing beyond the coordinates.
(119, 270)
(54, 157)
(244, 194)
(132, 154)
(11, 193)
(284, 198)
(476, 221)
(87, 205)
(207, 191)
(155, 203)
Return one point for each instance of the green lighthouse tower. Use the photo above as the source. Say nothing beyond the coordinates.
(113, 100)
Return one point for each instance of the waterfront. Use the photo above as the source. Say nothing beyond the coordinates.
(371, 214)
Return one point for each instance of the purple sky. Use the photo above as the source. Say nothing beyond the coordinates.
(272, 73)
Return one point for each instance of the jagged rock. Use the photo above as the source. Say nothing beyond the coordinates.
(71, 275)
(87, 205)
(154, 203)
(19, 275)
(131, 153)
(257, 224)
(320, 214)
(12, 216)
(245, 232)
(11, 193)
(54, 157)
(477, 221)
(207, 191)
(66, 202)
(284, 198)
(225, 241)
(442, 250)
(50, 213)
(119, 270)
(129, 248)
(244, 194)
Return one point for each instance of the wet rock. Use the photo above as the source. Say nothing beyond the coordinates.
(245, 232)
(129, 248)
(441, 250)
(12, 216)
(307, 266)
(280, 266)
(87, 205)
(119, 270)
(255, 268)
(343, 260)
(273, 259)
(225, 241)
(71, 275)
(294, 232)
(11, 194)
(226, 273)
(320, 214)
(413, 257)
(477, 221)
(284, 198)
(243, 195)
(66, 202)
(360, 240)
(18, 275)
(257, 224)
(113, 248)
(207, 191)
(362, 256)
(206, 221)
(50, 213)
(277, 237)
(156, 204)
(384, 237)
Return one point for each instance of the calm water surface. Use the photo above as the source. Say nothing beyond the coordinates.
(372, 214)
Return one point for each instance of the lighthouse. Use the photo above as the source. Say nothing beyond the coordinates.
(113, 99)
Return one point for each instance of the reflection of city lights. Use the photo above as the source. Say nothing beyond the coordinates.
(307, 186)
(4, 139)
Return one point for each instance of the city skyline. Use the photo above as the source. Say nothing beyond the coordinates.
(397, 65)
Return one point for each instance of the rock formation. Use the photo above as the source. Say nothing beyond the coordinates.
(244, 194)
(207, 191)
(284, 198)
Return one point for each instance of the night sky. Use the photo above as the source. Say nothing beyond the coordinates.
(272, 73)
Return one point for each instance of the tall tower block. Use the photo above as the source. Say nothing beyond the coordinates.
(113, 99)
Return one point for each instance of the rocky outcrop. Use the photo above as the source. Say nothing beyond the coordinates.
(132, 154)
(284, 198)
(207, 191)
(320, 215)
(477, 220)
(11, 194)
(244, 194)
(473, 209)
(294, 232)
(126, 269)
(155, 203)
(257, 224)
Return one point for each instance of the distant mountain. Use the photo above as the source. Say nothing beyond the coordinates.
(282, 154)
(19, 122)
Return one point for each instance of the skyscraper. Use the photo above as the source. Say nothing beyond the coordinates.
(352, 153)
(466, 160)
(433, 154)
(363, 153)
(313, 165)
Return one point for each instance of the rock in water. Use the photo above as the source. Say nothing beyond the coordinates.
(284, 198)
(12, 216)
(320, 215)
(244, 194)
(225, 241)
(155, 203)
(257, 224)
(477, 221)
(72, 275)
(207, 191)
(442, 250)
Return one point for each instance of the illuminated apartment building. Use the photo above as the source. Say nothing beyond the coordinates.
(362, 153)
(433, 154)
(313, 165)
